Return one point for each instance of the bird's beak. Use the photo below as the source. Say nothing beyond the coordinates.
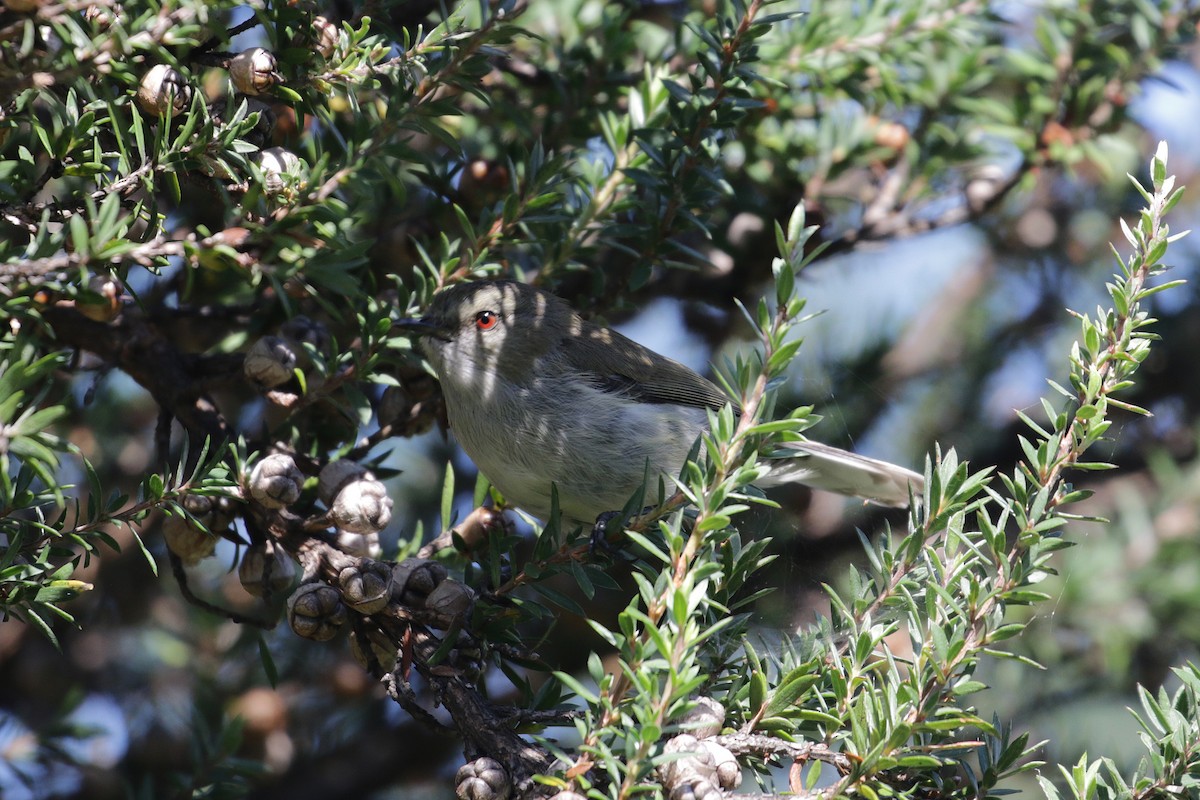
(420, 327)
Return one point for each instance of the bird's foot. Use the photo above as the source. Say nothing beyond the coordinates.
(600, 532)
(599, 538)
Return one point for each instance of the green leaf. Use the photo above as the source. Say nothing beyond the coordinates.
(268, 663)
(758, 690)
(559, 599)
(448, 497)
(791, 688)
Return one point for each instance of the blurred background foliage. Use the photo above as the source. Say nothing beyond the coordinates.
(966, 161)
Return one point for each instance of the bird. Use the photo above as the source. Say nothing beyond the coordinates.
(541, 398)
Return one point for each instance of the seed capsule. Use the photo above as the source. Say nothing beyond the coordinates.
(326, 36)
(315, 611)
(164, 92)
(254, 71)
(482, 779)
(270, 362)
(276, 481)
(361, 506)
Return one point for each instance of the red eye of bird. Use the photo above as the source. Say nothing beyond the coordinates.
(486, 320)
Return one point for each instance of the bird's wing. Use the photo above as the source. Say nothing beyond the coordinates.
(614, 363)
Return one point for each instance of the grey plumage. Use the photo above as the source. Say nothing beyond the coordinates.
(538, 396)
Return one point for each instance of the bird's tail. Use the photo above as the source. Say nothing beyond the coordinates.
(823, 467)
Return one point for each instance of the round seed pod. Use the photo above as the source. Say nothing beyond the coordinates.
(704, 719)
(315, 611)
(270, 362)
(361, 545)
(466, 656)
(254, 71)
(278, 167)
(266, 570)
(214, 512)
(451, 599)
(725, 766)
(187, 541)
(164, 91)
(276, 481)
(482, 779)
(326, 37)
(336, 474)
(892, 136)
(414, 578)
(361, 506)
(373, 643)
(703, 769)
(103, 301)
(366, 586)
(480, 524)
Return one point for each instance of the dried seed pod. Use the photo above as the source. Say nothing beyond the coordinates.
(326, 37)
(214, 512)
(361, 506)
(480, 525)
(392, 404)
(164, 91)
(198, 505)
(254, 71)
(451, 599)
(414, 578)
(482, 779)
(270, 362)
(704, 719)
(222, 512)
(366, 586)
(678, 770)
(400, 407)
(102, 303)
(725, 766)
(276, 481)
(187, 541)
(266, 570)
(700, 771)
(336, 474)
(373, 643)
(361, 545)
(279, 167)
(470, 535)
(702, 789)
(691, 776)
(315, 611)
(466, 656)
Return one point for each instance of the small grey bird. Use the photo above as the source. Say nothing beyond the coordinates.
(537, 396)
